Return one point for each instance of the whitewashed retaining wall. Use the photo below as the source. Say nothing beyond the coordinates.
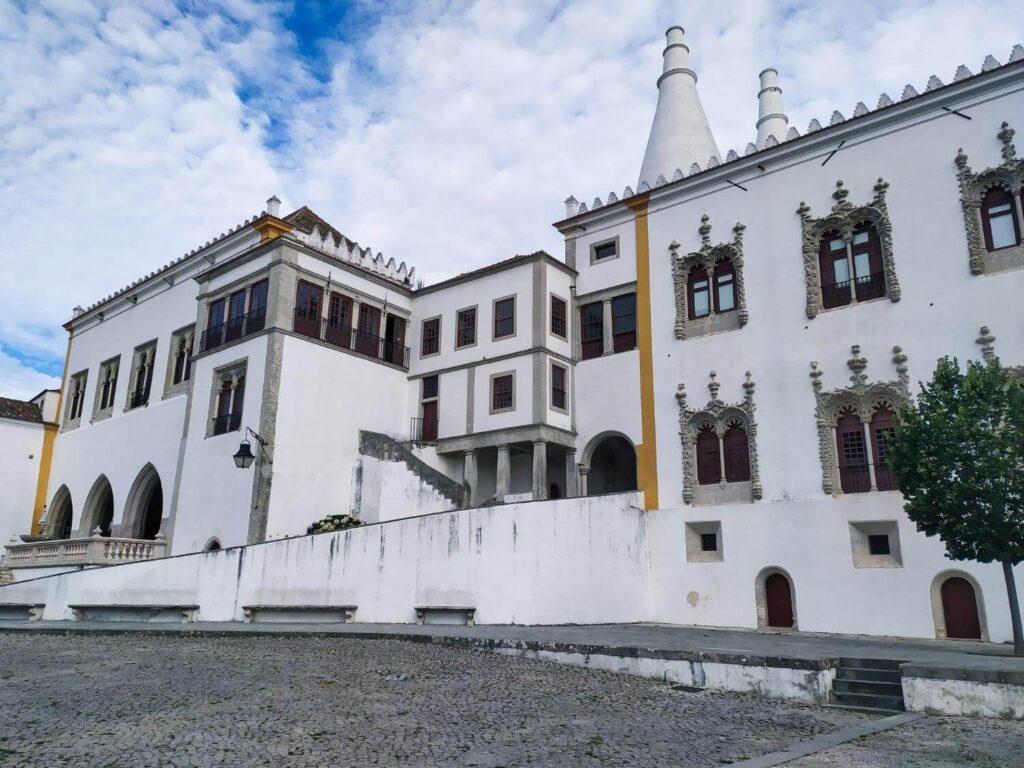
(569, 561)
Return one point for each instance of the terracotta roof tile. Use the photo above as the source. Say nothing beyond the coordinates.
(19, 410)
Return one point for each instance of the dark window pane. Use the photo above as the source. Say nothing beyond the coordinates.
(592, 330)
(878, 544)
(624, 322)
(431, 341)
(709, 466)
(466, 328)
(737, 454)
(604, 251)
(558, 386)
(558, 315)
(429, 387)
(709, 542)
(504, 318)
(502, 393)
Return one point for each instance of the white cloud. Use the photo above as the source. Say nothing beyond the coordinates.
(447, 136)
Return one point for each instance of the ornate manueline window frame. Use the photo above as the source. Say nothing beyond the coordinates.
(719, 416)
(860, 398)
(844, 219)
(973, 186)
(707, 258)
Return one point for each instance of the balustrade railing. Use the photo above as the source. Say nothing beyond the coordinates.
(96, 550)
(338, 334)
(233, 329)
(856, 478)
(870, 286)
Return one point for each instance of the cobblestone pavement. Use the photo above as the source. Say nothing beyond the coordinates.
(947, 742)
(90, 700)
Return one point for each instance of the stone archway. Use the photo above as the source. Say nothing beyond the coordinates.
(775, 597)
(609, 464)
(958, 607)
(99, 508)
(59, 515)
(144, 509)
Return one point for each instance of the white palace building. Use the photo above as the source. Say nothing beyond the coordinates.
(681, 419)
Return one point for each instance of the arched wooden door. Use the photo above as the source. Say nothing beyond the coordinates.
(778, 599)
(960, 609)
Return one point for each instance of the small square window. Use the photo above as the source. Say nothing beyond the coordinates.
(704, 543)
(878, 544)
(709, 542)
(605, 251)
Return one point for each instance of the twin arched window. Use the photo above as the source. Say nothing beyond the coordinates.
(728, 455)
(713, 292)
(999, 219)
(851, 271)
(862, 449)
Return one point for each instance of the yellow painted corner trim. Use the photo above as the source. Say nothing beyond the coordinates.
(647, 451)
(43, 481)
(270, 227)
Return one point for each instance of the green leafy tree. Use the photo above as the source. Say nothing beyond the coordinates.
(958, 455)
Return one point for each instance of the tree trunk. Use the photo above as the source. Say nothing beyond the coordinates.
(1011, 592)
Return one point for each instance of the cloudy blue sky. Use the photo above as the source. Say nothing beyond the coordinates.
(445, 134)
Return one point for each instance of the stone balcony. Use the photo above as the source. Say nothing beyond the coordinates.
(94, 551)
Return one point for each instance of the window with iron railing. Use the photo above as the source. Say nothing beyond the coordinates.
(851, 272)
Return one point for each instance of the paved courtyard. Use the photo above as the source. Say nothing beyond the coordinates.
(141, 700)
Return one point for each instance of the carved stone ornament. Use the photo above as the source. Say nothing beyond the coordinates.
(860, 398)
(718, 416)
(987, 341)
(706, 259)
(973, 186)
(844, 219)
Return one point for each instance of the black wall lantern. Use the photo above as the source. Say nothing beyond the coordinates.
(244, 456)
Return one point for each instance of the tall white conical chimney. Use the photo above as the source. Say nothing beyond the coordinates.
(771, 120)
(680, 135)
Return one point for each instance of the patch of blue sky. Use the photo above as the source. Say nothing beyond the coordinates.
(51, 365)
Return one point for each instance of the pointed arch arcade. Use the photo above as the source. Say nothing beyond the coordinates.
(143, 511)
(59, 515)
(99, 508)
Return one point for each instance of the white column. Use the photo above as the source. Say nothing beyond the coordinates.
(540, 470)
(504, 473)
(870, 455)
(607, 323)
(571, 484)
(584, 471)
(469, 476)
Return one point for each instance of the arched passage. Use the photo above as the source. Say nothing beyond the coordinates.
(957, 607)
(99, 508)
(59, 515)
(145, 506)
(610, 460)
(776, 599)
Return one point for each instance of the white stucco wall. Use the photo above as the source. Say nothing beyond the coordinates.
(21, 444)
(504, 561)
(391, 491)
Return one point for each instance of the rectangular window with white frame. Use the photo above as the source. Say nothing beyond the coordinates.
(504, 318)
(227, 399)
(604, 251)
(430, 337)
(559, 317)
(465, 328)
(106, 387)
(559, 388)
(503, 392)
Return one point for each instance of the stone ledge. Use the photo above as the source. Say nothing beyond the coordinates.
(970, 673)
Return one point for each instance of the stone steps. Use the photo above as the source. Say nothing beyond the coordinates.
(870, 685)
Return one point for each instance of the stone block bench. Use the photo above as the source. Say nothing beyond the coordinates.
(306, 614)
(134, 612)
(21, 611)
(445, 614)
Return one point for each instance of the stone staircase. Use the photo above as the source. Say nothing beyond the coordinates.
(873, 685)
(386, 448)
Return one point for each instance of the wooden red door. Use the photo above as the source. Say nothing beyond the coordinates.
(960, 609)
(429, 428)
(778, 598)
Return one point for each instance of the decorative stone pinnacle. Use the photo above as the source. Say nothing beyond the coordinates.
(681, 394)
(1005, 135)
(840, 195)
(713, 386)
(737, 232)
(880, 188)
(674, 246)
(748, 387)
(857, 364)
(986, 341)
(899, 359)
(815, 375)
(961, 158)
(705, 231)
(97, 532)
